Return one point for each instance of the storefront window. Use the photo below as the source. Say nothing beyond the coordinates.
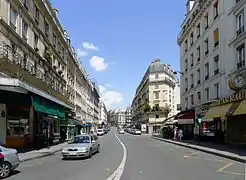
(17, 127)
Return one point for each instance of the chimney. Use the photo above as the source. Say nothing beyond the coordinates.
(189, 5)
(56, 12)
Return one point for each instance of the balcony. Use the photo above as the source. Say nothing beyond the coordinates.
(32, 69)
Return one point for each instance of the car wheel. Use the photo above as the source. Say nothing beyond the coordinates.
(5, 169)
(90, 153)
(98, 149)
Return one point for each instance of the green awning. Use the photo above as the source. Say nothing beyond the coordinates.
(75, 122)
(45, 106)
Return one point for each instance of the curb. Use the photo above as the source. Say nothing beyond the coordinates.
(214, 152)
(39, 156)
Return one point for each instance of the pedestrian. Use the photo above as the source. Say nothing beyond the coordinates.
(180, 134)
(175, 133)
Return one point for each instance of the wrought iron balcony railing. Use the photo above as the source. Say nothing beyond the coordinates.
(34, 65)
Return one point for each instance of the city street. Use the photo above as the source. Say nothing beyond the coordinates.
(146, 159)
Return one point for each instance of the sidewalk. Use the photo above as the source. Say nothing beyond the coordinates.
(237, 154)
(35, 154)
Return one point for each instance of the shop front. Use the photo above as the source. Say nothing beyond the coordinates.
(15, 116)
(48, 117)
(185, 121)
(227, 118)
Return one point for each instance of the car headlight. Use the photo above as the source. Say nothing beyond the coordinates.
(82, 150)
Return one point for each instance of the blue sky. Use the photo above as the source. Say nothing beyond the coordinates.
(117, 40)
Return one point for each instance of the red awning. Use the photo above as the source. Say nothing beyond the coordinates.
(185, 118)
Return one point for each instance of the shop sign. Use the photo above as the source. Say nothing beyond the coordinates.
(233, 98)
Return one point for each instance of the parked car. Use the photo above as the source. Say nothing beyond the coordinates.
(9, 160)
(121, 131)
(82, 146)
(100, 132)
(137, 132)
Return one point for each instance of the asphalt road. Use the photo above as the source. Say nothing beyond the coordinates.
(150, 159)
(100, 167)
(147, 159)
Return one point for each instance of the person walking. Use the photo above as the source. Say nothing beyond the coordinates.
(180, 134)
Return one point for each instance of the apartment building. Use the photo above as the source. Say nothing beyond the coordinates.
(212, 63)
(128, 115)
(42, 83)
(155, 99)
(102, 113)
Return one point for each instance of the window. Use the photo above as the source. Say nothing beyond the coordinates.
(35, 41)
(216, 37)
(156, 86)
(191, 60)
(191, 39)
(63, 52)
(13, 18)
(206, 93)
(186, 45)
(156, 95)
(206, 71)
(54, 40)
(36, 14)
(216, 10)
(198, 76)
(24, 30)
(240, 56)
(216, 89)
(46, 28)
(26, 4)
(198, 53)
(186, 84)
(192, 80)
(186, 65)
(240, 23)
(206, 46)
(216, 64)
(198, 30)
(186, 103)
(157, 76)
(192, 99)
(206, 21)
(199, 96)
(59, 47)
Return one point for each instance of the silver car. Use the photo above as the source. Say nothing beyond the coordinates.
(9, 160)
(82, 146)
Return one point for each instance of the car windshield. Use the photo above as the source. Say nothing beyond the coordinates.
(81, 139)
(99, 130)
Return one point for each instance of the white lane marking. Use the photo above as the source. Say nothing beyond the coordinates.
(193, 153)
(118, 172)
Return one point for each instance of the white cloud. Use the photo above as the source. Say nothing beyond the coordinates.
(98, 63)
(81, 53)
(112, 99)
(90, 46)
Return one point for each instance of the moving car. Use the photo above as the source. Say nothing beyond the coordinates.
(121, 131)
(9, 160)
(100, 132)
(82, 146)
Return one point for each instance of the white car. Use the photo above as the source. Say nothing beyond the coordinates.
(82, 146)
(9, 160)
(138, 132)
(100, 132)
(121, 131)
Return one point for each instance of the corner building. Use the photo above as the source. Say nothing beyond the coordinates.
(212, 62)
